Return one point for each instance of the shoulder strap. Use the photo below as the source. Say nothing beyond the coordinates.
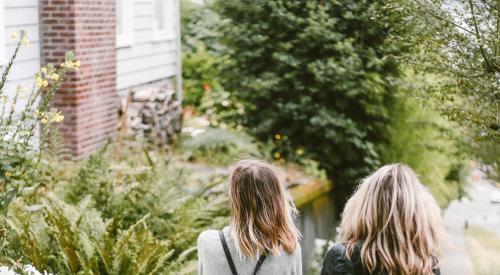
(228, 254)
(259, 263)
(230, 259)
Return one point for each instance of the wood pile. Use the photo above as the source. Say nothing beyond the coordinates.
(153, 113)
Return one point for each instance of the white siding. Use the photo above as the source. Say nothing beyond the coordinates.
(147, 60)
(21, 14)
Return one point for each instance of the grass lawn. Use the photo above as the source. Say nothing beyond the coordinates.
(484, 248)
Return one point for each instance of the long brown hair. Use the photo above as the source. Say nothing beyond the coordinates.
(397, 220)
(261, 211)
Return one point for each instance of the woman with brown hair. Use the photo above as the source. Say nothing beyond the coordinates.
(261, 237)
(391, 225)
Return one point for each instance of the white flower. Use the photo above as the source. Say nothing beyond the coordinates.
(31, 270)
(5, 270)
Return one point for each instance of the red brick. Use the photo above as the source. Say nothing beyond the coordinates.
(88, 97)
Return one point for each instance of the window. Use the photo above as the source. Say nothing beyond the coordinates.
(164, 19)
(2, 35)
(124, 23)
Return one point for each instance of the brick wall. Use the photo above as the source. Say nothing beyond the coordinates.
(88, 97)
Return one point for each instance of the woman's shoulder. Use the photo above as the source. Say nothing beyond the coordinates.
(336, 252)
(336, 260)
(207, 238)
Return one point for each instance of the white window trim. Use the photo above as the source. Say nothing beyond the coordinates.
(3, 41)
(126, 39)
(170, 32)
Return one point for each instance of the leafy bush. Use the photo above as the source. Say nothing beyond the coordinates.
(319, 73)
(199, 72)
(72, 239)
(219, 146)
(202, 53)
(114, 214)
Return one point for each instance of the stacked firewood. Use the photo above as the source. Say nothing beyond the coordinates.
(153, 113)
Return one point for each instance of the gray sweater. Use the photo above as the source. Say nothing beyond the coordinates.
(212, 260)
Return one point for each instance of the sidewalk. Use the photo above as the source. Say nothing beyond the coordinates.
(477, 211)
(456, 260)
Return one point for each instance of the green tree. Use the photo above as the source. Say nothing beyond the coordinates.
(421, 138)
(460, 43)
(316, 75)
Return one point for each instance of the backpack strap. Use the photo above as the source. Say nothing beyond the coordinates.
(230, 259)
(228, 254)
(259, 263)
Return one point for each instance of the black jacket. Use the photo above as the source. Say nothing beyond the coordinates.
(336, 262)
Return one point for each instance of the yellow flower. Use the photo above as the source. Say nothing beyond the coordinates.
(13, 35)
(20, 89)
(277, 136)
(76, 64)
(45, 83)
(54, 76)
(44, 121)
(58, 117)
(300, 151)
(8, 174)
(38, 81)
(44, 70)
(62, 65)
(26, 42)
(277, 155)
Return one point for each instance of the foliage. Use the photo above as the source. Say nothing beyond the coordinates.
(71, 239)
(199, 71)
(200, 26)
(222, 109)
(459, 41)
(422, 139)
(202, 53)
(484, 247)
(19, 127)
(114, 214)
(318, 73)
(219, 146)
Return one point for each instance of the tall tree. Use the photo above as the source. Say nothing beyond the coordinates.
(460, 42)
(317, 75)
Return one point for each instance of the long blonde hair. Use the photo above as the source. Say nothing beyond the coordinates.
(261, 212)
(397, 221)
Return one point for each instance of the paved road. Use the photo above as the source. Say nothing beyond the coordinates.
(478, 210)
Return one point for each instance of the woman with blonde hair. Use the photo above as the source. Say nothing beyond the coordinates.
(261, 237)
(391, 225)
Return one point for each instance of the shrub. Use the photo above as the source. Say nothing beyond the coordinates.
(202, 53)
(319, 73)
(219, 146)
(115, 214)
(199, 72)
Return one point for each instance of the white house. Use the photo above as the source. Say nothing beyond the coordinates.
(123, 45)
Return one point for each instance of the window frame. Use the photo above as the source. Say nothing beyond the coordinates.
(3, 41)
(126, 39)
(170, 32)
